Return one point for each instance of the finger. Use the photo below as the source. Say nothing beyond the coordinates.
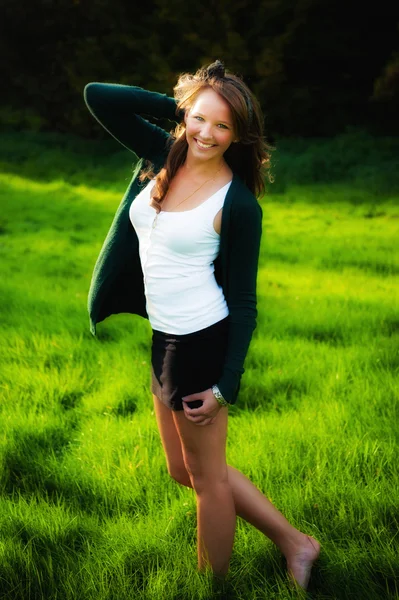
(193, 418)
(198, 420)
(194, 412)
(205, 422)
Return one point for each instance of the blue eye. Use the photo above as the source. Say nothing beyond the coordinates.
(219, 125)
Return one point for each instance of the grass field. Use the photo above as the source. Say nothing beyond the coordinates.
(88, 510)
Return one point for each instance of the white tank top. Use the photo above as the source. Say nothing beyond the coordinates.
(182, 294)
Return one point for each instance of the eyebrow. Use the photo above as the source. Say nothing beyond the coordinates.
(201, 115)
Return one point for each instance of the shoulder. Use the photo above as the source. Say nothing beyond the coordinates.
(244, 203)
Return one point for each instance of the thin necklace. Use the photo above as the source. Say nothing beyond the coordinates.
(192, 194)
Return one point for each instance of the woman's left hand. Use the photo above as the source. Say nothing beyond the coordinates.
(205, 414)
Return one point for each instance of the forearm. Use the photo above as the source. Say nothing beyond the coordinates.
(130, 99)
(118, 107)
(239, 340)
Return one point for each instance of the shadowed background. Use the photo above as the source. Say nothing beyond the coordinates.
(316, 66)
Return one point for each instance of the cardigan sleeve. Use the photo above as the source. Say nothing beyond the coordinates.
(244, 247)
(118, 108)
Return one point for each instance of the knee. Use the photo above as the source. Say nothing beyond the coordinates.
(181, 476)
(208, 476)
(206, 483)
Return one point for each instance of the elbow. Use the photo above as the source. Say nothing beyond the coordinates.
(90, 93)
(243, 314)
(87, 90)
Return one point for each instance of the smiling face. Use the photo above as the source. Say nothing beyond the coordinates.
(209, 127)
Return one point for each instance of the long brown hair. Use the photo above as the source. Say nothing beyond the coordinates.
(249, 157)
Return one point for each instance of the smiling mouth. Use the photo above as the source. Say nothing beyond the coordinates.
(205, 146)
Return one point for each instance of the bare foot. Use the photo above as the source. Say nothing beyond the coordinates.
(301, 561)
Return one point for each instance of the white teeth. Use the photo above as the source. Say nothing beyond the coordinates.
(204, 145)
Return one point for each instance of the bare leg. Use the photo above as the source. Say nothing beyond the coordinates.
(250, 504)
(215, 513)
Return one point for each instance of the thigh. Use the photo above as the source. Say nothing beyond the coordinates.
(170, 439)
(204, 447)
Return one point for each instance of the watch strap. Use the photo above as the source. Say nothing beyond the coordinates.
(218, 395)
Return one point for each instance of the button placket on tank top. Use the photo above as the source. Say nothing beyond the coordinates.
(177, 259)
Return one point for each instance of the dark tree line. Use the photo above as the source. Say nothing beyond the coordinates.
(317, 66)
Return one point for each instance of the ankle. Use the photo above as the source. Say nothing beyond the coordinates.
(292, 542)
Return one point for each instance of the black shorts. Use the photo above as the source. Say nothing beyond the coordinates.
(187, 364)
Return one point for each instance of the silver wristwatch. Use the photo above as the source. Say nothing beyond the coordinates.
(218, 396)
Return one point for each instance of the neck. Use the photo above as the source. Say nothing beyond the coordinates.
(202, 169)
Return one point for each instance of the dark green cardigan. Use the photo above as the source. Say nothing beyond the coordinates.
(117, 284)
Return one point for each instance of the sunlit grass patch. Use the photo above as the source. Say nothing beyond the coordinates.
(88, 509)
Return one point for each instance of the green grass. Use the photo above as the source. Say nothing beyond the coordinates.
(88, 510)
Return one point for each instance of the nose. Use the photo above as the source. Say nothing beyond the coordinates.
(206, 132)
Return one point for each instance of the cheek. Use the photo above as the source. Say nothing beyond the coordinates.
(191, 129)
(226, 139)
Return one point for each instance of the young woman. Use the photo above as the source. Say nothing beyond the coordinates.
(183, 252)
